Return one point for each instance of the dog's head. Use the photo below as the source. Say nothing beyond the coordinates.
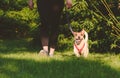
(78, 36)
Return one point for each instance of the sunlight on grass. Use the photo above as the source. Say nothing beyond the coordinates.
(31, 56)
(17, 60)
(25, 63)
(108, 59)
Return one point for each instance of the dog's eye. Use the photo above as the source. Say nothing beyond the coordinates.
(75, 34)
(82, 34)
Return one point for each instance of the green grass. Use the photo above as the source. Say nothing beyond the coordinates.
(18, 60)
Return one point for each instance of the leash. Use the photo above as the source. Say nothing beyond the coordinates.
(68, 21)
(68, 18)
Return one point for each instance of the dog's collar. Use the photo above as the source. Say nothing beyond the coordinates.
(79, 49)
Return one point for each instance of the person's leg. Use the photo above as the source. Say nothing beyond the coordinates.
(56, 10)
(50, 12)
(53, 41)
(44, 28)
(44, 37)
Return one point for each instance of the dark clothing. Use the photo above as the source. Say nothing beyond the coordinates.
(50, 12)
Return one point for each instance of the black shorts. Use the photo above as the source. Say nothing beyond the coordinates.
(50, 12)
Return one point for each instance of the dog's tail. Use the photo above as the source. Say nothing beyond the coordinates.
(86, 36)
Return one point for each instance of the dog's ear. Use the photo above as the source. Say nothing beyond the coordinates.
(74, 33)
(83, 32)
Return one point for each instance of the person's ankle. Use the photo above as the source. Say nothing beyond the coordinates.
(51, 54)
(45, 48)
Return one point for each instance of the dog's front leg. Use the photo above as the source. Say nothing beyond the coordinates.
(76, 53)
(85, 54)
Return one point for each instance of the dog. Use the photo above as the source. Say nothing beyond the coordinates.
(81, 43)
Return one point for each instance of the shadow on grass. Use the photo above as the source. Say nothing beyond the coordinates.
(14, 46)
(69, 68)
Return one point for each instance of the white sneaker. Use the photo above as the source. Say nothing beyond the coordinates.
(51, 55)
(43, 53)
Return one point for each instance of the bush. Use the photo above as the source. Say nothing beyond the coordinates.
(16, 20)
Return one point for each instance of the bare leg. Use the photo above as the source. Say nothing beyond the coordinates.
(45, 44)
(53, 42)
(51, 51)
(44, 51)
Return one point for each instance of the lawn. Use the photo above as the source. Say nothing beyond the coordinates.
(18, 60)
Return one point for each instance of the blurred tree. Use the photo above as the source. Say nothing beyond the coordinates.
(100, 18)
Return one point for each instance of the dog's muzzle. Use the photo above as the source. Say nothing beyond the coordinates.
(78, 41)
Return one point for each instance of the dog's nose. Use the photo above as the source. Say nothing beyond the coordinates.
(78, 37)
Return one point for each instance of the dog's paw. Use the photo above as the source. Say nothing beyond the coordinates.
(77, 55)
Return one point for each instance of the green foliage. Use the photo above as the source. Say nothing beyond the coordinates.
(18, 20)
(64, 43)
(12, 4)
(1, 12)
(99, 25)
(102, 25)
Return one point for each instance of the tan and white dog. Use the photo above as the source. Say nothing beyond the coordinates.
(81, 43)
